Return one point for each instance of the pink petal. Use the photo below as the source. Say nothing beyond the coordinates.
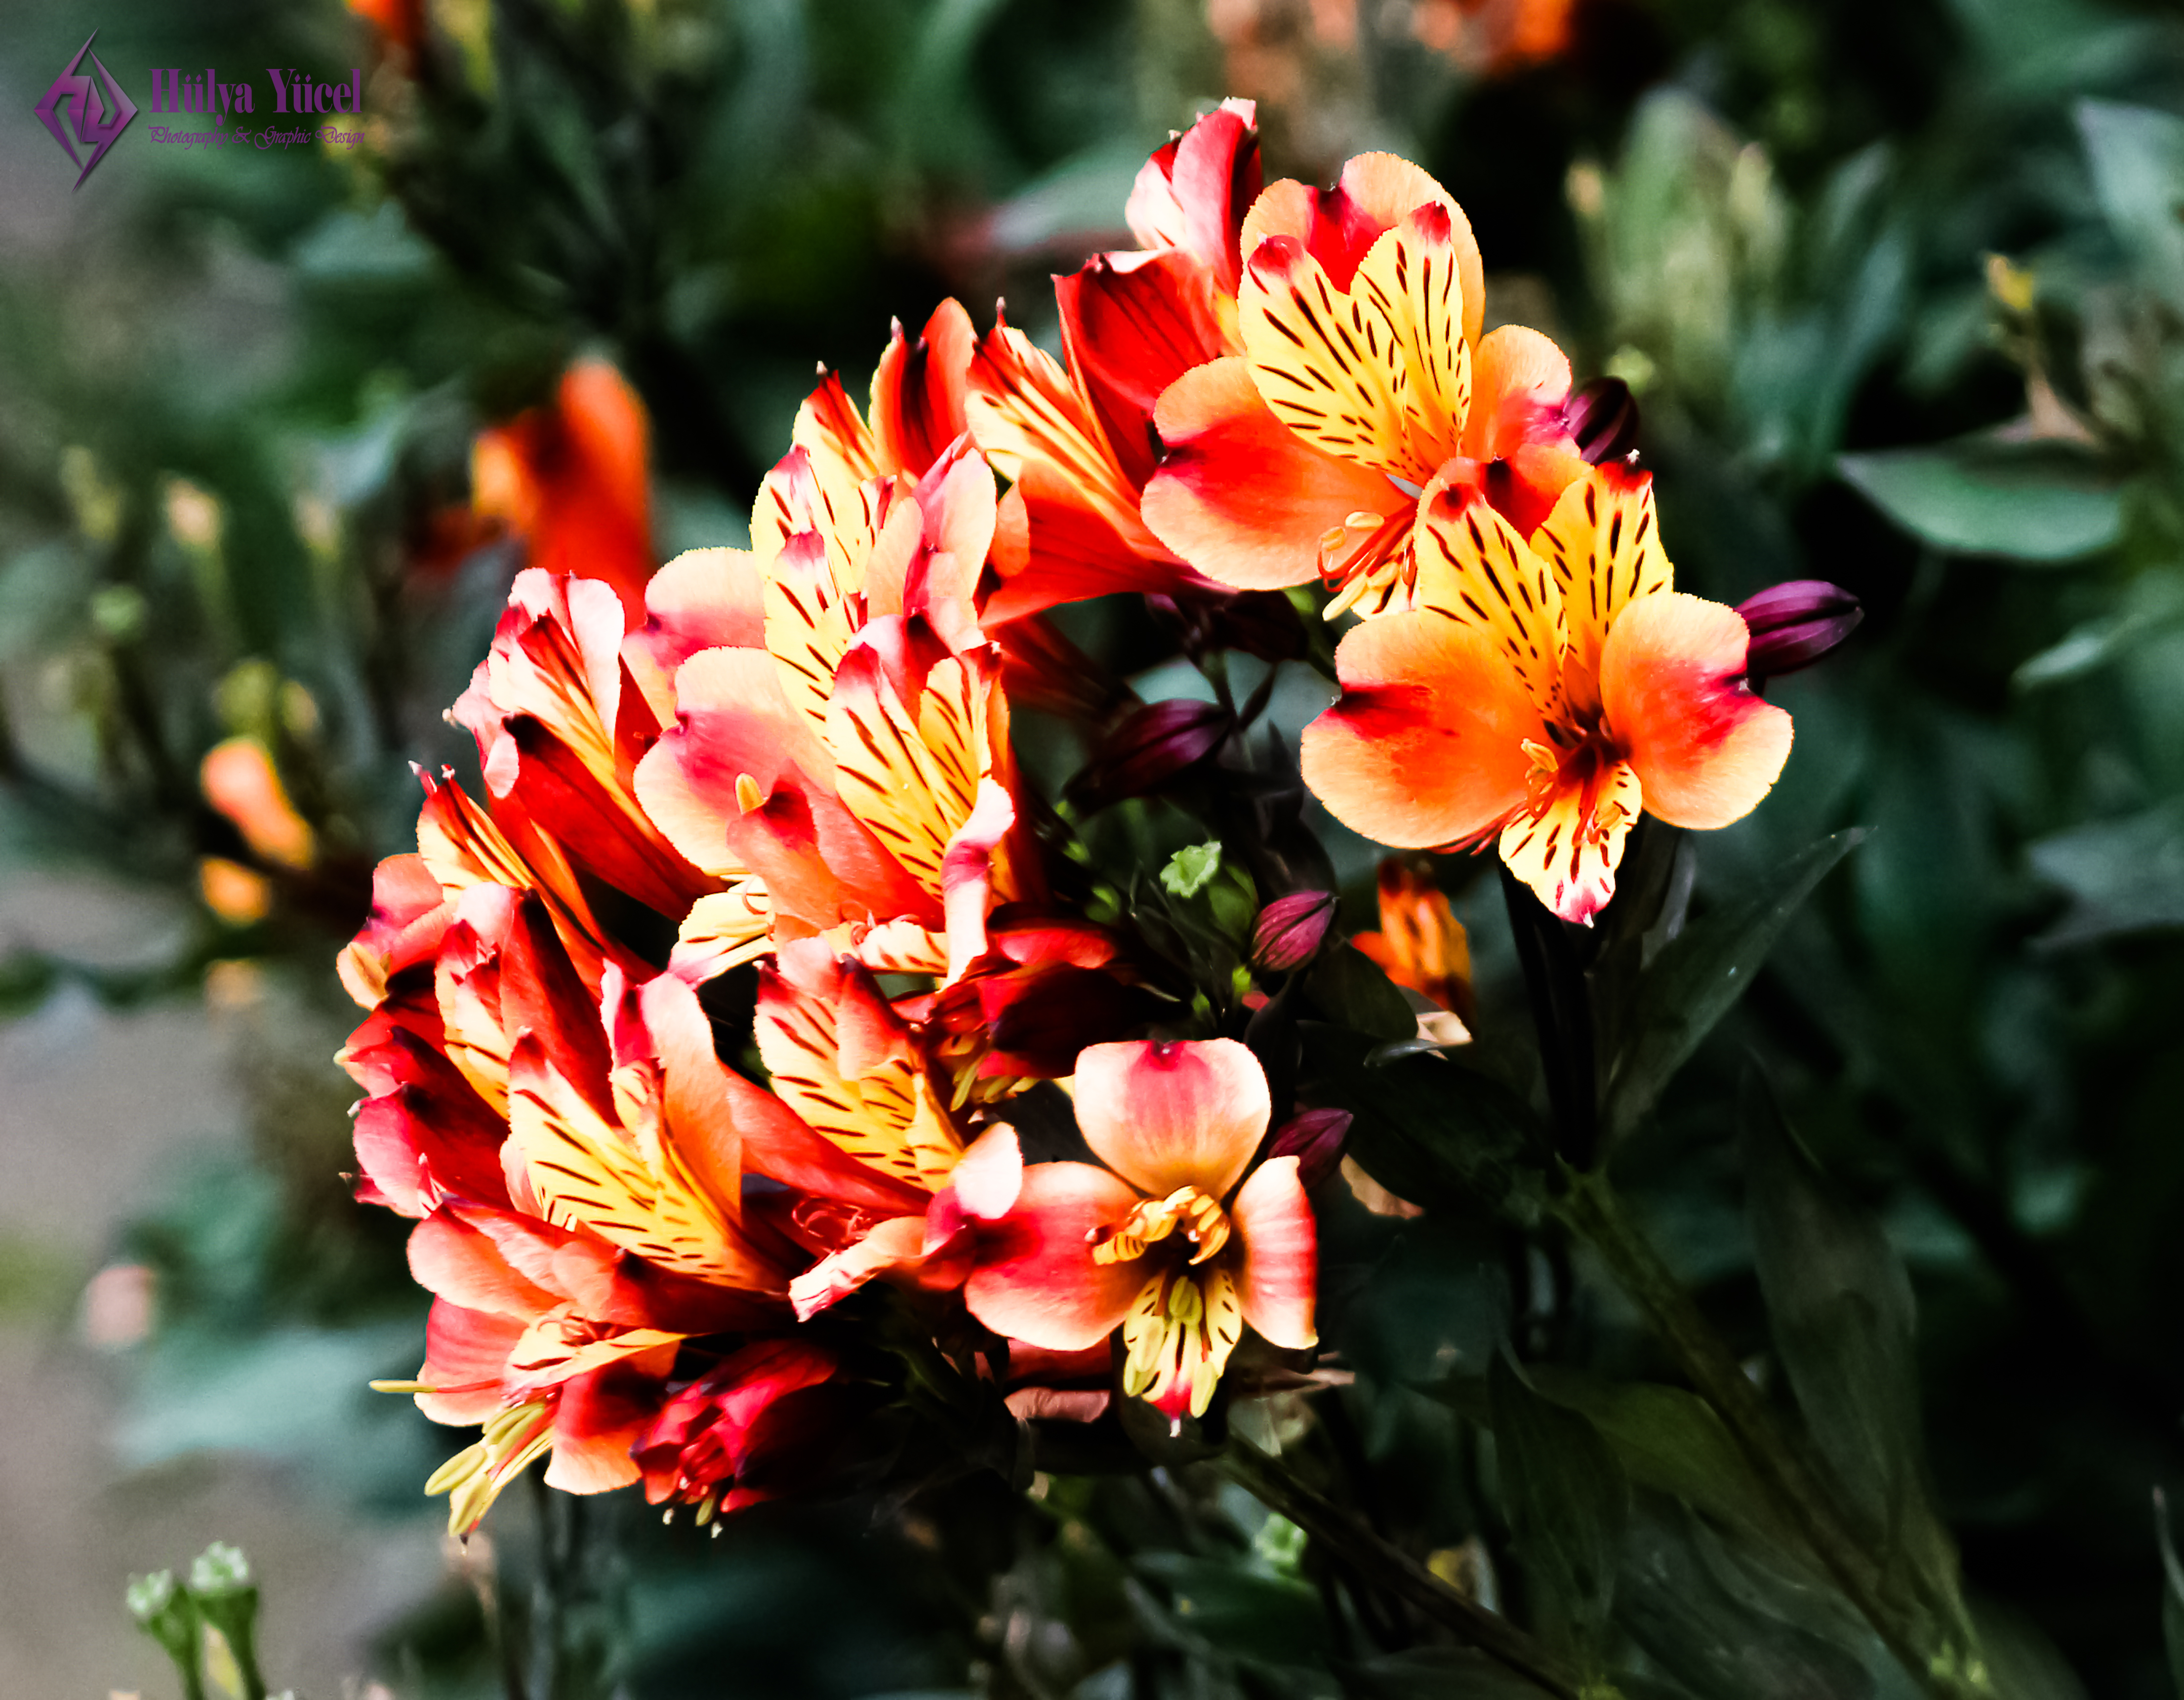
(1037, 1281)
(1273, 1220)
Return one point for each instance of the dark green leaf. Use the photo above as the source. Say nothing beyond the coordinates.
(1839, 1308)
(1250, 1616)
(1670, 1440)
(1567, 1501)
(2123, 876)
(1977, 499)
(1438, 1673)
(1725, 1628)
(1700, 974)
(1425, 1128)
(1348, 987)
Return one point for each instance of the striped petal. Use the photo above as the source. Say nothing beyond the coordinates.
(1566, 846)
(1328, 364)
(1411, 278)
(1672, 678)
(911, 777)
(1177, 1338)
(1604, 544)
(1473, 568)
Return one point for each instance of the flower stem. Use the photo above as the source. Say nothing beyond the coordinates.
(1275, 1485)
(1590, 1207)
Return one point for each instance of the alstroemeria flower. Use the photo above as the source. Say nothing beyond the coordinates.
(761, 1423)
(854, 758)
(1545, 693)
(1164, 1243)
(1419, 943)
(1364, 379)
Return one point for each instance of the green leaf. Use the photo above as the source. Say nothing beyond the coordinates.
(1972, 497)
(2123, 876)
(1670, 1440)
(1189, 869)
(1425, 1128)
(1568, 1502)
(1700, 974)
(2172, 1593)
(1840, 1310)
(2137, 159)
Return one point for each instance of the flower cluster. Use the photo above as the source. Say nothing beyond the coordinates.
(705, 1037)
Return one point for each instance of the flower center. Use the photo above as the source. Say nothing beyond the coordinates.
(1192, 1216)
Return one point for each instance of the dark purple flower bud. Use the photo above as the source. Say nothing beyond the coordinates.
(1315, 1140)
(1289, 929)
(1149, 749)
(1793, 625)
(1602, 420)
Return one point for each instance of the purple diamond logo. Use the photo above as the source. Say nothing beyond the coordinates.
(98, 117)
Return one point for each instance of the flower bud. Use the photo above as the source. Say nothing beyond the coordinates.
(1602, 420)
(1289, 929)
(1149, 749)
(1794, 624)
(1315, 1140)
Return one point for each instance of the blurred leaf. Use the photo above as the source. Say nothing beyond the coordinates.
(2172, 1593)
(1670, 1440)
(2152, 603)
(1980, 499)
(1700, 974)
(1425, 1128)
(2122, 876)
(2137, 158)
(1567, 1500)
(1349, 987)
(1841, 1314)
(1251, 1616)
(1437, 1673)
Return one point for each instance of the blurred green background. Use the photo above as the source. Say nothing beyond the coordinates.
(1901, 292)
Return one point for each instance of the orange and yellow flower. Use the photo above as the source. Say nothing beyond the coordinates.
(1172, 1242)
(1363, 378)
(1545, 693)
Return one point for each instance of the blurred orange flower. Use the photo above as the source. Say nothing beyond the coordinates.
(1420, 943)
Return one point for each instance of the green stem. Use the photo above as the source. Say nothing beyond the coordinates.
(1589, 1206)
(1272, 1483)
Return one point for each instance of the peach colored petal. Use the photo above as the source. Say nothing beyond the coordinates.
(1671, 680)
(1165, 1116)
(1039, 1282)
(893, 1245)
(1280, 1271)
(704, 598)
(1239, 496)
(1426, 747)
(1520, 378)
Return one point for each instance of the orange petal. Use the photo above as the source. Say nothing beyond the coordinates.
(466, 1357)
(1239, 495)
(1165, 1116)
(1426, 747)
(1520, 382)
(1671, 680)
(1038, 1283)
(1131, 325)
(1473, 567)
(1567, 845)
(1603, 541)
(919, 388)
(1280, 1273)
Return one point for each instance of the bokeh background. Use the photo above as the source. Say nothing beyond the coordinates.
(1899, 291)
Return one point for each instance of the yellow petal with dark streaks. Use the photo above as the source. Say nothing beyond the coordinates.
(913, 795)
(1327, 364)
(1566, 844)
(869, 1117)
(1473, 567)
(1410, 276)
(1604, 544)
